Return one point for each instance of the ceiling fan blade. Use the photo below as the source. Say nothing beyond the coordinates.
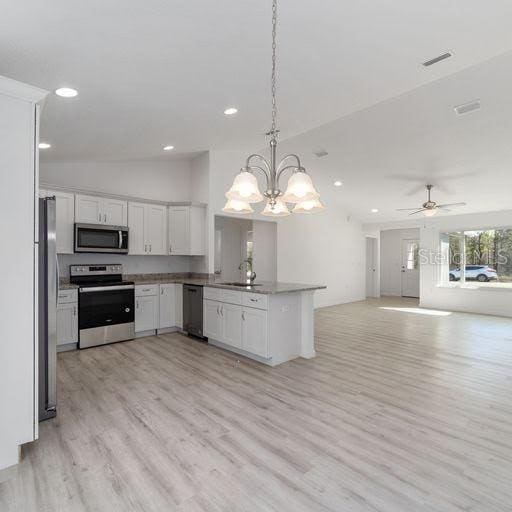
(451, 204)
(418, 211)
(406, 209)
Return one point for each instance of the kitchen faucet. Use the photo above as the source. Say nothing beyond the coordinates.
(251, 276)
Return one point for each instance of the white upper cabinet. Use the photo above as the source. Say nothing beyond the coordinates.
(115, 212)
(88, 209)
(136, 243)
(147, 225)
(100, 210)
(65, 213)
(178, 229)
(156, 229)
(187, 228)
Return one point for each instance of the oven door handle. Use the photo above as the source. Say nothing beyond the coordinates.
(106, 288)
(120, 239)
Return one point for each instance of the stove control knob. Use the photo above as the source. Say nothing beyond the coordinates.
(126, 310)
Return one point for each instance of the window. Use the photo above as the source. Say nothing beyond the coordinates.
(480, 256)
(412, 255)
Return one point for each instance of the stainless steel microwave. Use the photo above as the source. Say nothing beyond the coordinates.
(100, 238)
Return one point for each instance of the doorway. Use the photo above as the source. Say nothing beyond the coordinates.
(410, 268)
(371, 267)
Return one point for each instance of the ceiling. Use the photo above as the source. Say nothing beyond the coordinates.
(387, 154)
(162, 72)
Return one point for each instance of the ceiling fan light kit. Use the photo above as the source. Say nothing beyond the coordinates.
(430, 208)
(300, 189)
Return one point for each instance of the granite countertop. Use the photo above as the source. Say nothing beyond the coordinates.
(263, 287)
(270, 287)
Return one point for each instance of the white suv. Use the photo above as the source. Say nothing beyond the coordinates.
(480, 273)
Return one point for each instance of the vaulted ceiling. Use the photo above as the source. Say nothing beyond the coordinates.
(162, 71)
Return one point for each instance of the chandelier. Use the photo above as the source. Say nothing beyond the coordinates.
(300, 191)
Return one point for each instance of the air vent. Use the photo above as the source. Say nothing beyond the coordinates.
(435, 60)
(467, 107)
(320, 153)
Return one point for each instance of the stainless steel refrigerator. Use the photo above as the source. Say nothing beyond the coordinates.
(48, 292)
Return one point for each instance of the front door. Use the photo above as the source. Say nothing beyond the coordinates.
(410, 268)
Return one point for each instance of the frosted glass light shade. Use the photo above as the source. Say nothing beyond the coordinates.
(234, 206)
(245, 188)
(279, 209)
(300, 188)
(430, 213)
(311, 206)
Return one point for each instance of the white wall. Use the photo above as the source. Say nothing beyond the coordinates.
(160, 181)
(264, 237)
(326, 248)
(391, 259)
(232, 242)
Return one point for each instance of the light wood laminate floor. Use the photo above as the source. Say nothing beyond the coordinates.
(400, 412)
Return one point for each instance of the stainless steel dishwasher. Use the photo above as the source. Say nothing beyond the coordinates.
(193, 310)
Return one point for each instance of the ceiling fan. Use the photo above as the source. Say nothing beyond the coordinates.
(430, 208)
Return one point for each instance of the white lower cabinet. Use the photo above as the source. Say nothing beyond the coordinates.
(146, 308)
(67, 319)
(255, 331)
(232, 325)
(212, 321)
(167, 317)
(237, 326)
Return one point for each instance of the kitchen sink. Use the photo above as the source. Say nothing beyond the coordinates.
(245, 285)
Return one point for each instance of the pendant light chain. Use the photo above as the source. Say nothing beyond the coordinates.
(300, 190)
(273, 130)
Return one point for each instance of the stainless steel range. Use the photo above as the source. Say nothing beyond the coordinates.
(105, 304)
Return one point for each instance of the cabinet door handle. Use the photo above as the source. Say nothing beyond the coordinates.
(243, 316)
(137, 304)
(99, 217)
(218, 311)
(170, 249)
(222, 311)
(74, 310)
(105, 218)
(253, 300)
(145, 248)
(149, 247)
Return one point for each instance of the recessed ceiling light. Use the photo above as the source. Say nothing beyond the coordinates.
(338, 183)
(374, 210)
(44, 145)
(230, 111)
(66, 92)
(168, 148)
